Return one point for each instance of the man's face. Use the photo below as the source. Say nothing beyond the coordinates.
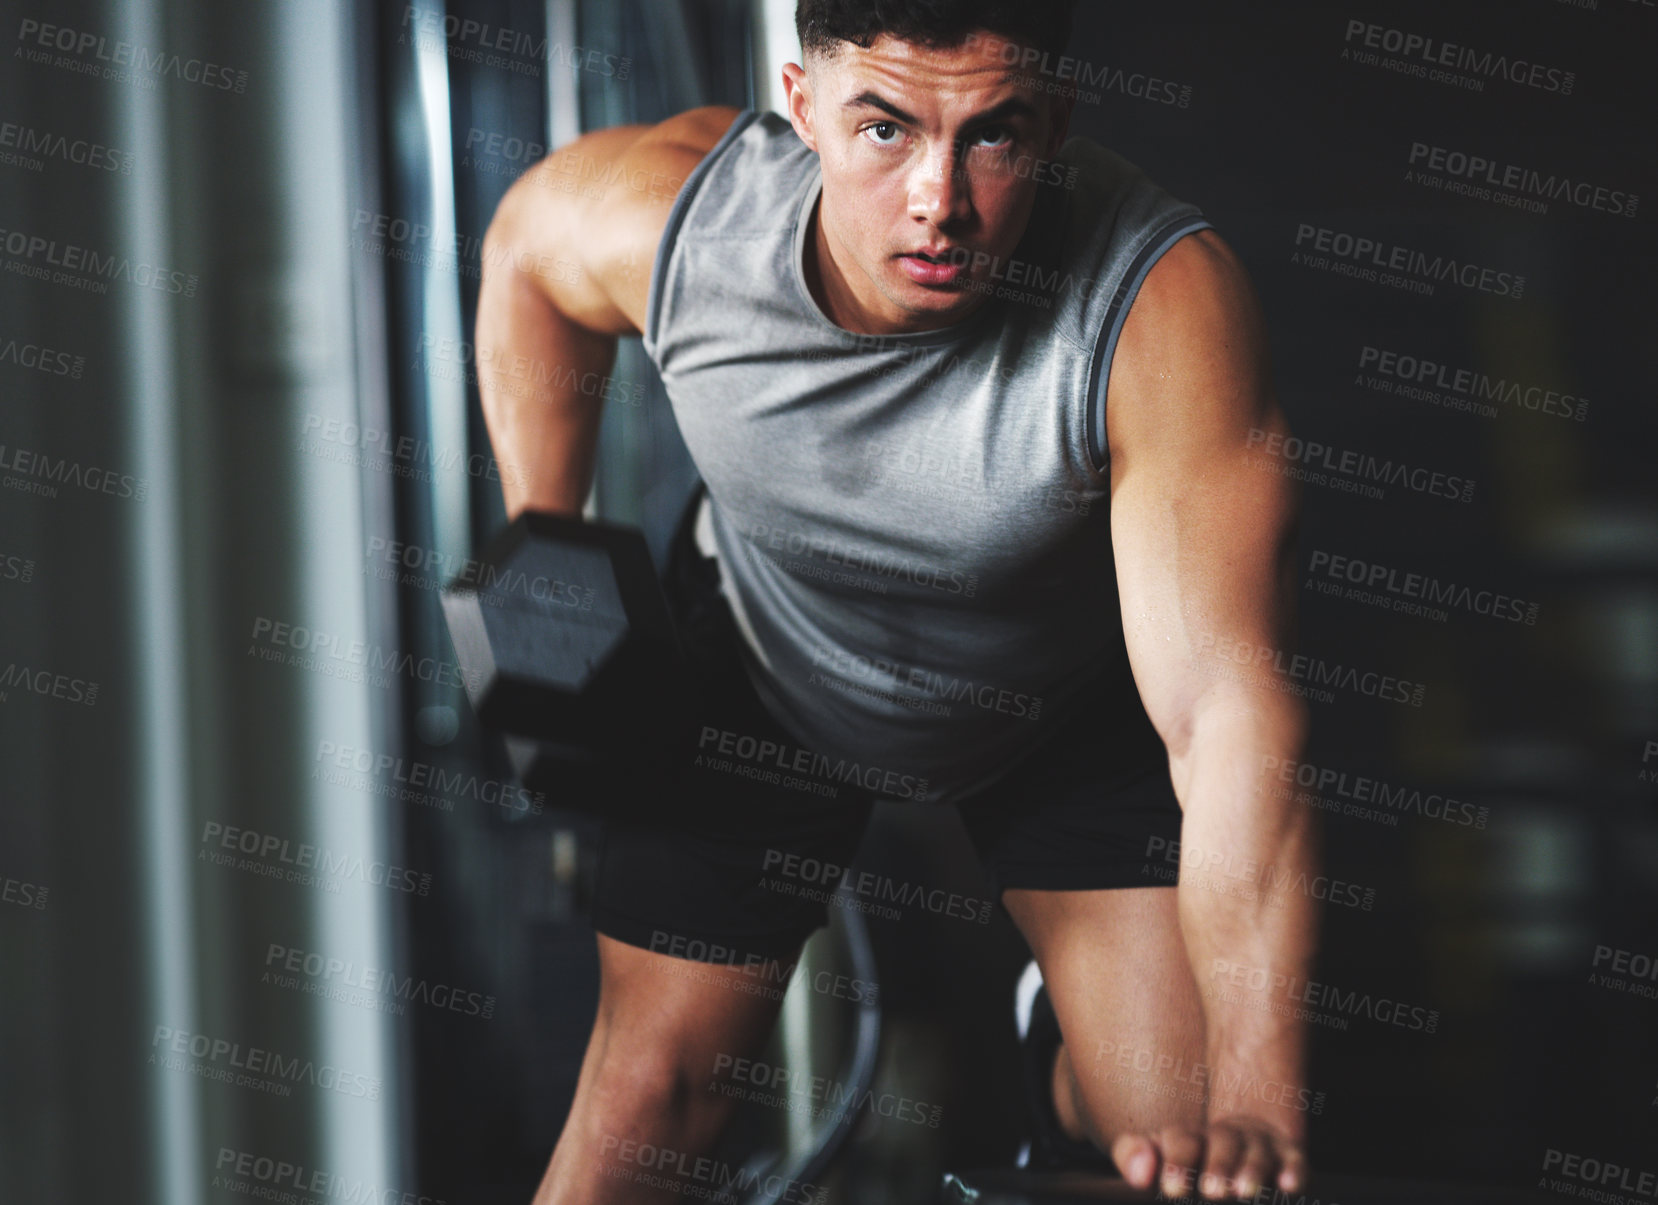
(930, 163)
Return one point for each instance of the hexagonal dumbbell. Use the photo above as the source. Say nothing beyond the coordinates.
(566, 644)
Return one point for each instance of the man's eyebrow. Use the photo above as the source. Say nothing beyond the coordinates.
(1013, 106)
(876, 102)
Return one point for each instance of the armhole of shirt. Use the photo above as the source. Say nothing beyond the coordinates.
(676, 218)
(1116, 314)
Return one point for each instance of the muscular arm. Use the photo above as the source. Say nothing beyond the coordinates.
(565, 274)
(1204, 540)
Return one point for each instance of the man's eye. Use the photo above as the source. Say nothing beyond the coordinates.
(992, 136)
(882, 133)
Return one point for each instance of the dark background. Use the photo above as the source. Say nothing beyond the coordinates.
(1544, 725)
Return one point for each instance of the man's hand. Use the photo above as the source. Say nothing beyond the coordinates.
(1232, 1158)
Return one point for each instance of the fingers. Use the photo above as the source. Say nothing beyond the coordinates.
(1182, 1152)
(1227, 1148)
(1236, 1161)
(1293, 1177)
(1136, 1158)
(1239, 1163)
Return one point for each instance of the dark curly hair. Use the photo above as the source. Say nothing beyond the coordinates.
(822, 24)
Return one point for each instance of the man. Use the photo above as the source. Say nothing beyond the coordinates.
(888, 328)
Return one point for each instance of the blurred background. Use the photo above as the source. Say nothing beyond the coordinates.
(239, 420)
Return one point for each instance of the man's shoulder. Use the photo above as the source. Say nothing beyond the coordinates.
(762, 153)
(1199, 270)
(1194, 346)
(695, 131)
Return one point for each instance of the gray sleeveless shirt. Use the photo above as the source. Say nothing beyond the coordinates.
(913, 529)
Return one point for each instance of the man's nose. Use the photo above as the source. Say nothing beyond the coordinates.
(939, 191)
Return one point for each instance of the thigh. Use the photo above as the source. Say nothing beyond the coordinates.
(659, 1012)
(1116, 970)
(667, 1031)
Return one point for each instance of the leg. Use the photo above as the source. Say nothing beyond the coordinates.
(1128, 1006)
(661, 1024)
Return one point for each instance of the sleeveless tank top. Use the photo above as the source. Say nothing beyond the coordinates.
(913, 530)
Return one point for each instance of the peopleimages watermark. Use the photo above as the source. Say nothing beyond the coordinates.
(36, 257)
(520, 376)
(410, 780)
(1509, 184)
(124, 62)
(39, 473)
(490, 45)
(16, 569)
(814, 1096)
(1410, 376)
(1648, 773)
(465, 255)
(23, 894)
(1593, 1176)
(954, 478)
(279, 1180)
(346, 442)
(1304, 675)
(47, 684)
(1445, 62)
(1350, 471)
(1626, 971)
(915, 687)
(253, 1067)
(1174, 1076)
(1025, 282)
(697, 1176)
(866, 891)
(778, 763)
(29, 148)
(1267, 990)
(351, 660)
(51, 361)
(694, 957)
(1227, 874)
(862, 567)
(301, 862)
(1377, 261)
(569, 171)
(495, 585)
(385, 991)
(1052, 173)
(1409, 593)
(1060, 74)
(1363, 796)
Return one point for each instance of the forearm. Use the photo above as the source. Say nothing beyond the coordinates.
(1248, 911)
(541, 378)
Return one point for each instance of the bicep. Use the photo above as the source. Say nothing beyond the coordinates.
(1202, 522)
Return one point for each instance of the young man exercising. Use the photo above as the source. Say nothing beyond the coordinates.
(889, 328)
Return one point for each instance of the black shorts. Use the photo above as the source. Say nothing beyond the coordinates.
(736, 862)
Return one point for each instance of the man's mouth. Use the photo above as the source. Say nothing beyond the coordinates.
(935, 268)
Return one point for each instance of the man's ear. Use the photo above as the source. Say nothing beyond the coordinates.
(797, 101)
